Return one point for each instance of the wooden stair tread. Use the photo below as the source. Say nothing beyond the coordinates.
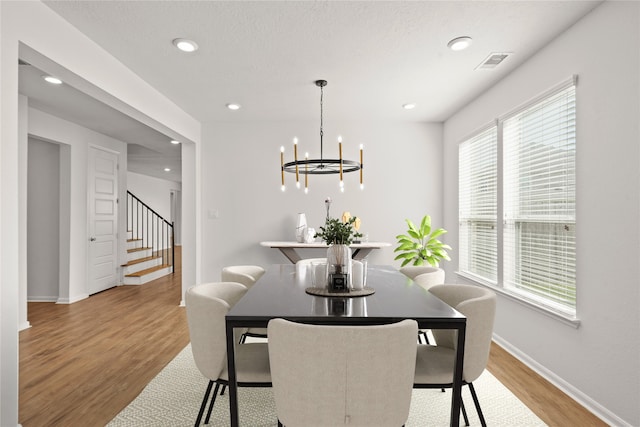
(133, 240)
(137, 250)
(148, 270)
(139, 260)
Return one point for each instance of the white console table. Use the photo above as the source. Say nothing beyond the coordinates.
(288, 249)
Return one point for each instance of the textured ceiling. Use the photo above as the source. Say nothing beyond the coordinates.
(375, 55)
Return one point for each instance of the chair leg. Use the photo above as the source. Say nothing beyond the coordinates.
(426, 337)
(280, 424)
(213, 401)
(224, 387)
(204, 403)
(464, 412)
(477, 403)
(421, 335)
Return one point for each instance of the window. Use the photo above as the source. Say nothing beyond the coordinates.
(478, 203)
(536, 148)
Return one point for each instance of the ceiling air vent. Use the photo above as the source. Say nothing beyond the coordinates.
(493, 60)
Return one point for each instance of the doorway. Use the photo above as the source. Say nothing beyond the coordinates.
(43, 220)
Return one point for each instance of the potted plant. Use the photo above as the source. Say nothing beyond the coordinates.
(339, 235)
(421, 244)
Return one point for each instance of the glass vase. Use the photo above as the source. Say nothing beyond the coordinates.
(339, 268)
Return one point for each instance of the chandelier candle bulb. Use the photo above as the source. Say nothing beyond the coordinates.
(361, 149)
(306, 173)
(295, 157)
(282, 165)
(340, 150)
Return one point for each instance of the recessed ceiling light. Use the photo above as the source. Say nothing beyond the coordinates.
(409, 106)
(459, 43)
(52, 80)
(185, 45)
(167, 169)
(174, 142)
(233, 106)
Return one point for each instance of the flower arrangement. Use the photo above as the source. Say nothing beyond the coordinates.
(340, 231)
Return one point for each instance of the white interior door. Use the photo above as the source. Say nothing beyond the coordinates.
(103, 220)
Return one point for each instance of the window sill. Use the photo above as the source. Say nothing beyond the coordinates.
(562, 317)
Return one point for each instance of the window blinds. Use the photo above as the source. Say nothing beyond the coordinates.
(539, 186)
(478, 205)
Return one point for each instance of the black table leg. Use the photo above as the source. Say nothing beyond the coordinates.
(233, 386)
(456, 395)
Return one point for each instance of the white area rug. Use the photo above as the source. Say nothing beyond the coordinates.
(173, 398)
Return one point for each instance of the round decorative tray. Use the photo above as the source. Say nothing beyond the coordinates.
(324, 292)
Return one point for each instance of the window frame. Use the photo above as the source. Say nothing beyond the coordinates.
(538, 303)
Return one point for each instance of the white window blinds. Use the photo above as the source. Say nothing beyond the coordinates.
(539, 186)
(477, 194)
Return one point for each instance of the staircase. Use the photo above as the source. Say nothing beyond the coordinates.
(150, 252)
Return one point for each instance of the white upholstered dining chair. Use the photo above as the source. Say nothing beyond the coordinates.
(207, 306)
(435, 364)
(342, 375)
(247, 275)
(412, 271)
(426, 277)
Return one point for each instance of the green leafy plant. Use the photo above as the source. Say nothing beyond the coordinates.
(338, 232)
(421, 244)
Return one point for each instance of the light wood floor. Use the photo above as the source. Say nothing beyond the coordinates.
(81, 364)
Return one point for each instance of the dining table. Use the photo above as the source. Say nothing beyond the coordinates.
(282, 293)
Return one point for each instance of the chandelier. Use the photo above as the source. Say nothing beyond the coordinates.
(319, 166)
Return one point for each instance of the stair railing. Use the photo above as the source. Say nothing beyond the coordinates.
(152, 229)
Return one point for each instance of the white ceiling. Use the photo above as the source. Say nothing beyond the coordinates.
(265, 55)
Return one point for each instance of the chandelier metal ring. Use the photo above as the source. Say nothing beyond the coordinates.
(322, 166)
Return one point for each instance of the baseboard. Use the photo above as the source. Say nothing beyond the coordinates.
(72, 300)
(591, 405)
(24, 325)
(42, 299)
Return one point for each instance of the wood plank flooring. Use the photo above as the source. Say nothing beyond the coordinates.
(81, 364)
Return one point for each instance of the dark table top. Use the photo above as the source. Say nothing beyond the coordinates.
(280, 292)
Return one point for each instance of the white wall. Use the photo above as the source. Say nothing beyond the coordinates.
(599, 362)
(37, 27)
(43, 221)
(241, 186)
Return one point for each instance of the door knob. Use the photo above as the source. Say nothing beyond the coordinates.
(92, 239)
